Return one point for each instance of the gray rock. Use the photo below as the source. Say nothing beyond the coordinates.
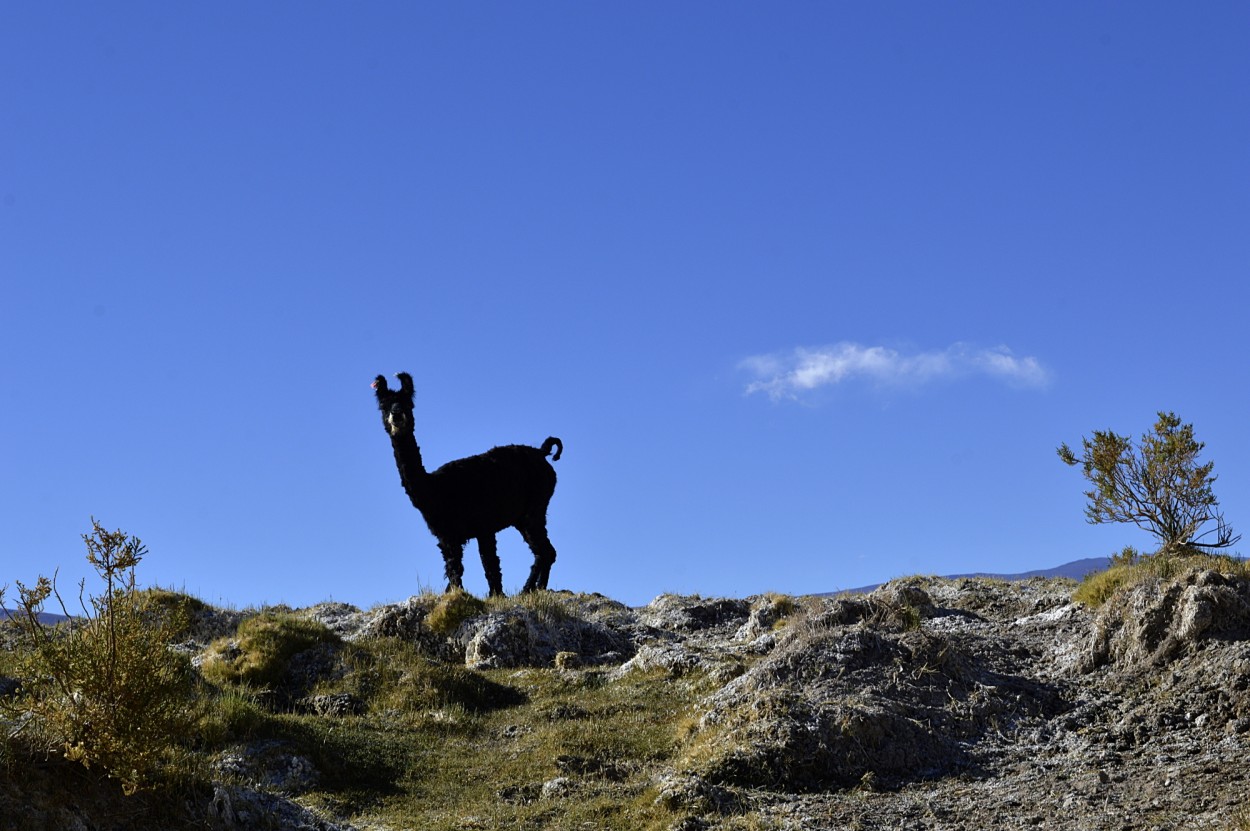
(343, 619)
(270, 766)
(241, 809)
(766, 612)
(678, 613)
(520, 637)
(852, 692)
(559, 788)
(403, 620)
(406, 621)
(336, 705)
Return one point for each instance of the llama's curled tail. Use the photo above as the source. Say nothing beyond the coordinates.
(552, 441)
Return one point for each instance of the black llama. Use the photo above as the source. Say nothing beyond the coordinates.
(475, 497)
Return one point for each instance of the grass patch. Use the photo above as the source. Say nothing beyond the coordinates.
(579, 753)
(392, 676)
(1125, 572)
(175, 602)
(260, 653)
(453, 609)
(547, 606)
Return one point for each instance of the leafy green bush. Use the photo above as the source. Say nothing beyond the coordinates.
(103, 688)
(1128, 556)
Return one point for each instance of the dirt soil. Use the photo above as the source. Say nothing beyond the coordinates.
(1008, 706)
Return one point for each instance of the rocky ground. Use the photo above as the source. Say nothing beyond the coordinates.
(928, 704)
(1008, 707)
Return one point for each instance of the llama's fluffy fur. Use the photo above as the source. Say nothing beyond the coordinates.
(475, 497)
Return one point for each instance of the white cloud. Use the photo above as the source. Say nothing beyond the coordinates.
(786, 375)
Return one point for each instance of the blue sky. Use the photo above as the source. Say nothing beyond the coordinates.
(811, 291)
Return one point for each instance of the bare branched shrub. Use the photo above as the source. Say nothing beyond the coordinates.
(102, 687)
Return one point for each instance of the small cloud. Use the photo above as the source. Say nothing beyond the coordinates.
(1000, 363)
(787, 375)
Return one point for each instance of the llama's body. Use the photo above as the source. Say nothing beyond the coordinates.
(475, 497)
(487, 493)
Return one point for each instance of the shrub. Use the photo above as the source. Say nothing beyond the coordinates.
(102, 687)
(1128, 556)
(1156, 485)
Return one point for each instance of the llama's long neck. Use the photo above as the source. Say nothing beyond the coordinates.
(411, 469)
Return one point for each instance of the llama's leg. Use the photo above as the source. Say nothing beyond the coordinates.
(490, 562)
(535, 535)
(453, 563)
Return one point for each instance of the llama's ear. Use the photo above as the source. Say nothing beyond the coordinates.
(405, 383)
(379, 384)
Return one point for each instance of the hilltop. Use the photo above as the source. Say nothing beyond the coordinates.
(929, 703)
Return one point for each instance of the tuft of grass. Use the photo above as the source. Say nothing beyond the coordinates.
(178, 603)
(784, 607)
(548, 606)
(260, 653)
(173, 610)
(1095, 589)
(233, 714)
(453, 609)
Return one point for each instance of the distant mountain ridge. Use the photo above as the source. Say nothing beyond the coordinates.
(1076, 570)
(44, 617)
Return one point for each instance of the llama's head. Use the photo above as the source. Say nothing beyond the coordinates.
(396, 405)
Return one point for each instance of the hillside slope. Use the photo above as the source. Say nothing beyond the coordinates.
(929, 703)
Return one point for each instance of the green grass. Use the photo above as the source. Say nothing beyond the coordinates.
(438, 746)
(260, 652)
(441, 747)
(488, 770)
(393, 677)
